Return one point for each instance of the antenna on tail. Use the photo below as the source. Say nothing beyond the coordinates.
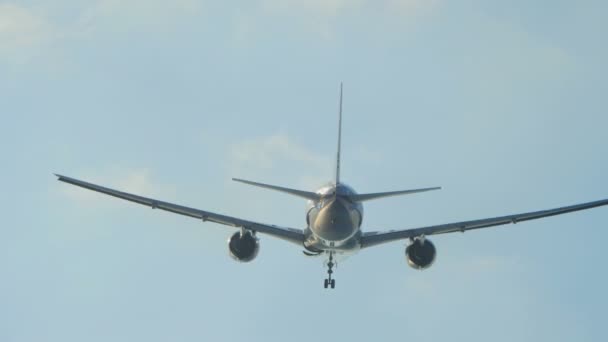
(339, 138)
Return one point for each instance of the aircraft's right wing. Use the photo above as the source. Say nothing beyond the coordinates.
(289, 234)
(375, 238)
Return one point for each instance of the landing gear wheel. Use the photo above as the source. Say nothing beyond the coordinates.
(326, 283)
(333, 283)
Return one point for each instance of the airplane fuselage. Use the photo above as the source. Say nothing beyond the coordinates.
(334, 221)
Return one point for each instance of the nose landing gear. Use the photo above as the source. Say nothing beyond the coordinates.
(329, 282)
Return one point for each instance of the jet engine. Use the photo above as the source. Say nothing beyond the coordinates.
(243, 246)
(420, 253)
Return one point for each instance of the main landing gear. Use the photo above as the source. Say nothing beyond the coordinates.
(330, 264)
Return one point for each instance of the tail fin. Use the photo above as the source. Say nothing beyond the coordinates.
(306, 194)
(339, 138)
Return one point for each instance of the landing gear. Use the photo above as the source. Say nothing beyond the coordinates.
(329, 282)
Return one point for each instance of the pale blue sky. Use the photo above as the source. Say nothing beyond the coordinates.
(501, 103)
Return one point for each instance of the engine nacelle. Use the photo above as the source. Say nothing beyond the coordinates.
(243, 247)
(420, 253)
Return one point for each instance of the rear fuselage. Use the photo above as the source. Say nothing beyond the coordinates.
(334, 221)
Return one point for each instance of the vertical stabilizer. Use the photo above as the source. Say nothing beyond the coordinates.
(339, 138)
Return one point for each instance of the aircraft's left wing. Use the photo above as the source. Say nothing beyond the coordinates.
(375, 238)
(289, 234)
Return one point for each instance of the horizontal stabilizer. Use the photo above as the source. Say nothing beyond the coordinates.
(367, 197)
(306, 194)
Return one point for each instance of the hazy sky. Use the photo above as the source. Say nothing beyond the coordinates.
(502, 103)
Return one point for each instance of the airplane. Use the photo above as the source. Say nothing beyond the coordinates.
(334, 216)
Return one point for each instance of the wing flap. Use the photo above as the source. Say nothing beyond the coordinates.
(375, 238)
(288, 234)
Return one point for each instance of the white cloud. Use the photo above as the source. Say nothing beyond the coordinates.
(23, 32)
(136, 181)
(520, 52)
(334, 8)
(135, 15)
(28, 31)
(323, 17)
(278, 153)
(264, 152)
(326, 8)
(409, 7)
